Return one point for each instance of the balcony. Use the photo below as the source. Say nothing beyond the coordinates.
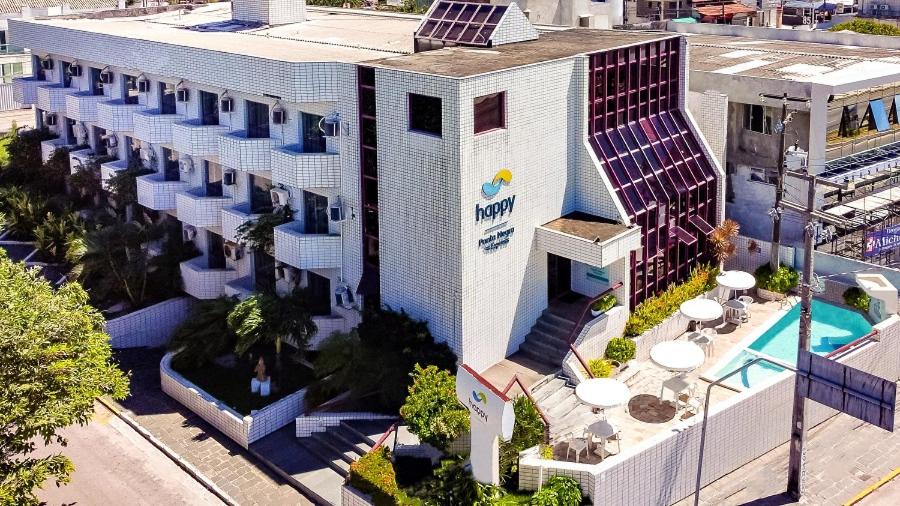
(294, 168)
(79, 159)
(117, 116)
(154, 192)
(234, 217)
(240, 288)
(306, 251)
(192, 138)
(110, 169)
(195, 208)
(202, 282)
(153, 127)
(52, 97)
(239, 152)
(82, 106)
(25, 89)
(50, 146)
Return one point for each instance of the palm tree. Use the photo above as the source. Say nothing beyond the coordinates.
(268, 318)
(204, 335)
(722, 238)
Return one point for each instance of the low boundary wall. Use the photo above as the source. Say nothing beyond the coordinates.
(304, 426)
(242, 429)
(149, 327)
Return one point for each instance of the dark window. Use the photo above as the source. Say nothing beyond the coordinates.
(99, 143)
(319, 289)
(315, 213)
(36, 69)
(260, 198)
(166, 98)
(170, 169)
(263, 272)
(757, 119)
(65, 74)
(209, 108)
(96, 82)
(313, 138)
(212, 176)
(70, 131)
(425, 114)
(257, 120)
(132, 151)
(849, 121)
(215, 251)
(490, 112)
(130, 89)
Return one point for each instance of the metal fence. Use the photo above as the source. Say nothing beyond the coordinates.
(7, 101)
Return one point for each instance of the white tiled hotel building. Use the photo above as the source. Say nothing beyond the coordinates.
(391, 204)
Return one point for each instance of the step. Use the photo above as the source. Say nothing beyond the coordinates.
(557, 320)
(552, 329)
(548, 389)
(563, 407)
(542, 354)
(369, 431)
(557, 397)
(326, 455)
(360, 445)
(348, 452)
(555, 340)
(552, 350)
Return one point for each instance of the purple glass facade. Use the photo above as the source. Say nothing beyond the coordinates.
(656, 166)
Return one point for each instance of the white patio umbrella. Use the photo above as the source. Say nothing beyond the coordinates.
(701, 310)
(677, 356)
(735, 280)
(602, 393)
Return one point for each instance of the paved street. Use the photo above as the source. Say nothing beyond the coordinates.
(887, 495)
(116, 465)
(225, 463)
(844, 456)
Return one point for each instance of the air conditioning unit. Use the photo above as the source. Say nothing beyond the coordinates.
(292, 275)
(228, 177)
(279, 270)
(279, 116)
(336, 212)
(188, 233)
(279, 196)
(226, 104)
(182, 94)
(107, 77)
(75, 70)
(50, 120)
(343, 296)
(186, 165)
(233, 250)
(143, 86)
(47, 64)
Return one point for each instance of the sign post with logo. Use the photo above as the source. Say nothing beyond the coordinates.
(491, 415)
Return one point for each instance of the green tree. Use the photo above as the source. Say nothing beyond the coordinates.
(204, 335)
(122, 186)
(431, 410)
(55, 361)
(22, 211)
(259, 234)
(866, 26)
(268, 318)
(24, 155)
(527, 432)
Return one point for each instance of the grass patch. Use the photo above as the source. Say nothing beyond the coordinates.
(514, 498)
(231, 385)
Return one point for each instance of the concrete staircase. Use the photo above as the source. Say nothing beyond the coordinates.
(547, 342)
(340, 446)
(556, 397)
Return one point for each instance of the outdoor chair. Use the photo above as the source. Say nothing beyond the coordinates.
(706, 340)
(748, 301)
(735, 316)
(576, 444)
(689, 393)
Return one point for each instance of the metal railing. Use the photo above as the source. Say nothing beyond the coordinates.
(571, 339)
(514, 380)
(384, 436)
(853, 344)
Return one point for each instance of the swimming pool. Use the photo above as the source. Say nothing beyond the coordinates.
(833, 326)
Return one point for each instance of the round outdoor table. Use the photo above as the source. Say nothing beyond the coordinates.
(678, 356)
(701, 310)
(602, 393)
(736, 280)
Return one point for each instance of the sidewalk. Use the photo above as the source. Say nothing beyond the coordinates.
(843, 456)
(221, 460)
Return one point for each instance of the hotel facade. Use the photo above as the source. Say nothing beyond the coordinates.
(470, 174)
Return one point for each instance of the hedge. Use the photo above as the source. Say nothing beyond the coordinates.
(654, 310)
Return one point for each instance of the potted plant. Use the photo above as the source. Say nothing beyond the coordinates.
(603, 304)
(775, 285)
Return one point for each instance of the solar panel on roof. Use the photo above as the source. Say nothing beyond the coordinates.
(464, 23)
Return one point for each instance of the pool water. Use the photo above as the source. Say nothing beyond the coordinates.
(832, 327)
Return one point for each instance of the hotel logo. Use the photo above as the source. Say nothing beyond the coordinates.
(501, 178)
(478, 404)
(500, 208)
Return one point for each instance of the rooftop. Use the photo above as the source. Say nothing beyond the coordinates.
(16, 6)
(788, 60)
(587, 226)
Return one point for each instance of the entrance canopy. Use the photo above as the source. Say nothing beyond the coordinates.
(588, 239)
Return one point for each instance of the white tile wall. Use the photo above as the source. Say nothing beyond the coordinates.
(192, 138)
(591, 342)
(49, 147)
(239, 152)
(305, 425)
(513, 27)
(234, 217)
(352, 497)
(269, 12)
(154, 192)
(151, 326)
(202, 282)
(117, 116)
(306, 251)
(52, 97)
(109, 169)
(198, 210)
(25, 90)
(78, 159)
(305, 170)
(153, 127)
(82, 106)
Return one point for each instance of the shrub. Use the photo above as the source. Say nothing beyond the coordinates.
(527, 432)
(604, 304)
(866, 26)
(854, 297)
(600, 368)
(453, 484)
(268, 318)
(22, 211)
(24, 156)
(204, 335)
(431, 410)
(56, 231)
(654, 310)
(620, 349)
(780, 281)
(373, 474)
(546, 452)
(559, 491)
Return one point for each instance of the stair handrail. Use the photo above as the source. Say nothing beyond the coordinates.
(515, 379)
(383, 437)
(571, 339)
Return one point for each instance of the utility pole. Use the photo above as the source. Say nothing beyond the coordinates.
(781, 127)
(798, 419)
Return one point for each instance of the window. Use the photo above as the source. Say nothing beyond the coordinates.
(849, 121)
(757, 119)
(129, 89)
(65, 74)
(170, 167)
(760, 175)
(315, 213)
(260, 198)
(257, 120)
(209, 108)
(36, 69)
(313, 138)
(319, 290)
(96, 82)
(132, 151)
(215, 251)
(212, 178)
(263, 272)
(167, 98)
(10, 70)
(490, 112)
(425, 114)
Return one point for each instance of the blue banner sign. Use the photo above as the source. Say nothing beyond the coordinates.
(880, 241)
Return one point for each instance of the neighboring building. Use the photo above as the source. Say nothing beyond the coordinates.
(850, 128)
(470, 186)
(880, 9)
(581, 13)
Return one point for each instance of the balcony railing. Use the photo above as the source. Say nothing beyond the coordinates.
(82, 106)
(202, 282)
(194, 139)
(154, 192)
(49, 147)
(80, 159)
(195, 208)
(306, 251)
(153, 127)
(52, 97)
(240, 152)
(25, 89)
(117, 116)
(110, 169)
(11, 49)
(294, 168)
(234, 217)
